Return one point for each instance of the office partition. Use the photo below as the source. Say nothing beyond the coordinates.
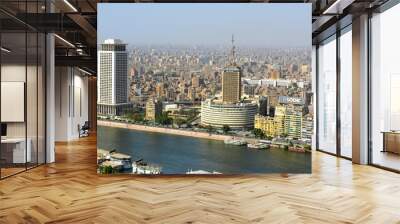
(22, 78)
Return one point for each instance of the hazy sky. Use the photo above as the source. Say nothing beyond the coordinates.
(257, 24)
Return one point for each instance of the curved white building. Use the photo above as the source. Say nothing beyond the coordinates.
(236, 116)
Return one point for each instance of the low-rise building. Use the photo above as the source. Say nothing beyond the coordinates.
(153, 109)
(287, 121)
(236, 116)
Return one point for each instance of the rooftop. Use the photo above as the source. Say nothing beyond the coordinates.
(113, 41)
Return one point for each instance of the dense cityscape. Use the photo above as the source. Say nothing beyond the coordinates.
(244, 92)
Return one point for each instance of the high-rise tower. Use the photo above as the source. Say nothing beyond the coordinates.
(231, 79)
(112, 87)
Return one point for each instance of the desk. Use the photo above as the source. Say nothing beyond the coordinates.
(13, 150)
(391, 141)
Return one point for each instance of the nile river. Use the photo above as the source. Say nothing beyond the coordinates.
(178, 154)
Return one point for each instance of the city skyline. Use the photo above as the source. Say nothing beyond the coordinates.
(186, 24)
(246, 96)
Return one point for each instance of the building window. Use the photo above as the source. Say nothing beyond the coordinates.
(385, 89)
(327, 95)
(346, 92)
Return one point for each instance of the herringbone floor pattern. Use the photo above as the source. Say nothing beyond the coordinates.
(70, 191)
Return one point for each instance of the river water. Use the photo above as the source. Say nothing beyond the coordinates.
(178, 154)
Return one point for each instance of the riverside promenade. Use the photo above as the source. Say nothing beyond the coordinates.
(173, 131)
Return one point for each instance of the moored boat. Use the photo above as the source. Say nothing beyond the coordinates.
(233, 141)
(201, 172)
(141, 167)
(258, 146)
(123, 158)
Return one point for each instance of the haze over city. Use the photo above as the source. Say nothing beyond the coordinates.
(261, 25)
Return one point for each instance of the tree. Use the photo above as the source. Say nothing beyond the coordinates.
(210, 129)
(106, 169)
(164, 119)
(137, 117)
(226, 129)
(179, 121)
(258, 133)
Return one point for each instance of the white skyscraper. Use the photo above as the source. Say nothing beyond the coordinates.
(112, 88)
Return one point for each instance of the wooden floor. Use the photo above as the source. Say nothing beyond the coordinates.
(70, 191)
(5, 172)
(387, 159)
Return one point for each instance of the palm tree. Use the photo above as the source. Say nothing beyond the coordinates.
(226, 129)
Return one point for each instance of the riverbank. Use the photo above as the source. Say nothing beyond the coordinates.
(172, 131)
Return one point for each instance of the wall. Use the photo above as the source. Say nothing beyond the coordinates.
(92, 110)
(16, 73)
(71, 102)
(33, 126)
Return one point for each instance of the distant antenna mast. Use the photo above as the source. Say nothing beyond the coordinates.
(233, 50)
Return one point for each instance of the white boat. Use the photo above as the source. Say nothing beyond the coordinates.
(265, 141)
(140, 167)
(201, 172)
(123, 158)
(115, 165)
(235, 142)
(257, 146)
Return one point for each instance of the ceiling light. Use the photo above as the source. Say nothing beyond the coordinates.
(64, 40)
(5, 50)
(84, 71)
(338, 6)
(329, 9)
(70, 5)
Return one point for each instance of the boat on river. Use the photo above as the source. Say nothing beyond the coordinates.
(201, 172)
(233, 141)
(141, 167)
(123, 158)
(258, 146)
